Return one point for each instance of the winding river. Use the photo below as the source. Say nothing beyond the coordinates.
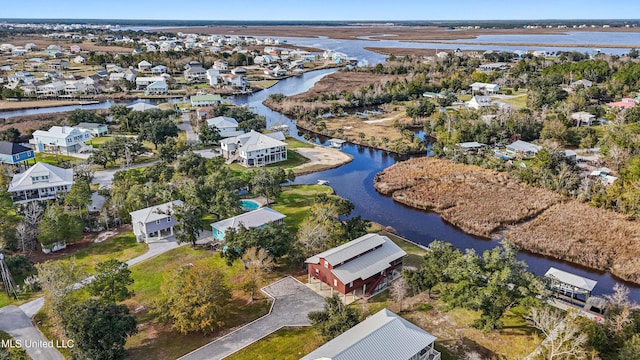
(354, 181)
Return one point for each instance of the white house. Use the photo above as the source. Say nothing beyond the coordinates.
(251, 219)
(583, 118)
(64, 139)
(40, 182)
(221, 65)
(382, 336)
(254, 149)
(205, 100)
(195, 73)
(213, 76)
(227, 126)
(157, 88)
(478, 102)
(154, 221)
(159, 69)
(143, 82)
(523, 149)
(484, 88)
(144, 65)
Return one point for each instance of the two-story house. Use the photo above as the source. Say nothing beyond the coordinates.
(63, 139)
(14, 154)
(254, 148)
(95, 129)
(227, 126)
(40, 182)
(249, 220)
(155, 221)
(361, 267)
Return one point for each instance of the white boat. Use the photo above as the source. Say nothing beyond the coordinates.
(323, 182)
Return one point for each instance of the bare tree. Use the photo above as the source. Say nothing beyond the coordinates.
(27, 229)
(563, 337)
(399, 291)
(256, 263)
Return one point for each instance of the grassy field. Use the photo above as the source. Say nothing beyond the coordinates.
(284, 344)
(518, 102)
(296, 144)
(295, 201)
(158, 341)
(263, 84)
(57, 160)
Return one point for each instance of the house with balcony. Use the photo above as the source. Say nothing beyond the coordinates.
(40, 182)
(63, 139)
(250, 220)
(157, 88)
(382, 336)
(154, 221)
(95, 129)
(362, 267)
(143, 82)
(14, 154)
(254, 149)
(195, 73)
(205, 100)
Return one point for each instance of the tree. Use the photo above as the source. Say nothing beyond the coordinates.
(111, 281)
(335, 319)
(157, 132)
(189, 219)
(79, 197)
(266, 182)
(208, 134)
(433, 269)
(630, 349)
(56, 279)
(257, 262)
(57, 226)
(8, 221)
(563, 337)
(27, 229)
(194, 298)
(273, 237)
(398, 291)
(11, 134)
(79, 116)
(99, 330)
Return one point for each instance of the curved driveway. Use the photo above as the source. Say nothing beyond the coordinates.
(292, 302)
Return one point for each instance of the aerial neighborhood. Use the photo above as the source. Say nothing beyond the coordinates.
(230, 191)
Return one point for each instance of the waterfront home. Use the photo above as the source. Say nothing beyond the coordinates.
(227, 126)
(362, 267)
(95, 129)
(14, 154)
(144, 66)
(142, 106)
(63, 139)
(195, 73)
(40, 182)
(382, 336)
(254, 149)
(205, 100)
(143, 82)
(494, 66)
(565, 284)
(583, 118)
(484, 88)
(478, 102)
(523, 149)
(252, 219)
(130, 75)
(239, 71)
(157, 88)
(213, 76)
(154, 221)
(236, 81)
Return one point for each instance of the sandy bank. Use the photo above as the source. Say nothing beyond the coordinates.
(321, 158)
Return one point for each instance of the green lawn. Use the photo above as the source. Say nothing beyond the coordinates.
(98, 141)
(13, 352)
(414, 252)
(284, 344)
(295, 143)
(518, 102)
(57, 160)
(295, 201)
(156, 340)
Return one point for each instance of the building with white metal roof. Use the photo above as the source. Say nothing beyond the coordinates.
(254, 149)
(251, 219)
(382, 336)
(40, 182)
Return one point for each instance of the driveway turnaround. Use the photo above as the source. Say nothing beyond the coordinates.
(292, 302)
(17, 324)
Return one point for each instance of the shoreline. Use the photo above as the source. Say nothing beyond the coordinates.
(321, 158)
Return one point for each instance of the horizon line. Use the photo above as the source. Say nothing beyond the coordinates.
(333, 20)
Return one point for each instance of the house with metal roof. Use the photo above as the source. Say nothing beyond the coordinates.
(95, 129)
(205, 100)
(227, 126)
(565, 284)
(361, 267)
(251, 219)
(523, 149)
(40, 182)
(63, 139)
(478, 102)
(142, 106)
(254, 149)
(14, 154)
(382, 336)
(154, 221)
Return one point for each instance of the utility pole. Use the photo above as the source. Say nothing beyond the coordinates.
(7, 281)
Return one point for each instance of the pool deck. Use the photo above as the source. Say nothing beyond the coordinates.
(261, 200)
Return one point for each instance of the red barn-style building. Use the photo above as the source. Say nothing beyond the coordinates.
(361, 267)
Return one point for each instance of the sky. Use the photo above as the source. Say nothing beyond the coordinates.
(322, 9)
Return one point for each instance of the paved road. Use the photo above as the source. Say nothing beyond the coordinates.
(293, 301)
(192, 137)
(104, 178)
(17, 324)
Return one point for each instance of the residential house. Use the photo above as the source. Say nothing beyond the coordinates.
(625, 103)
(143, 82)
(493, 66)
(14, 154)
(583, 118)
(221, 65)
(64, 139)
(17, 51)
(144, 66)
(484, 88)
(252, 219)
(75, 49)
(213, 76)
(239, 71)
(362, 267)
(58, 65)
(157, 88)
(236, 81)
(79, 59)
(581, 83)
(382, 336)
(205, 100)
(130, 75)
(478, 102)
(142, 106)
(96, 130)
(154, 221)
(523, 149)
(195, 73)
(40, 182)
(227, 126)
(254, 149)
(471, 147)
(159, 69)
(53, 89)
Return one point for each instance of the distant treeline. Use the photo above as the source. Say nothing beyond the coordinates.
(506, 24)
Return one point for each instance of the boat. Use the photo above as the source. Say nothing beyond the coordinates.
(323, 182)
(336, 143)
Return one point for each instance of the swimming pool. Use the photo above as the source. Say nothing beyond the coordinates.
(249, 205)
